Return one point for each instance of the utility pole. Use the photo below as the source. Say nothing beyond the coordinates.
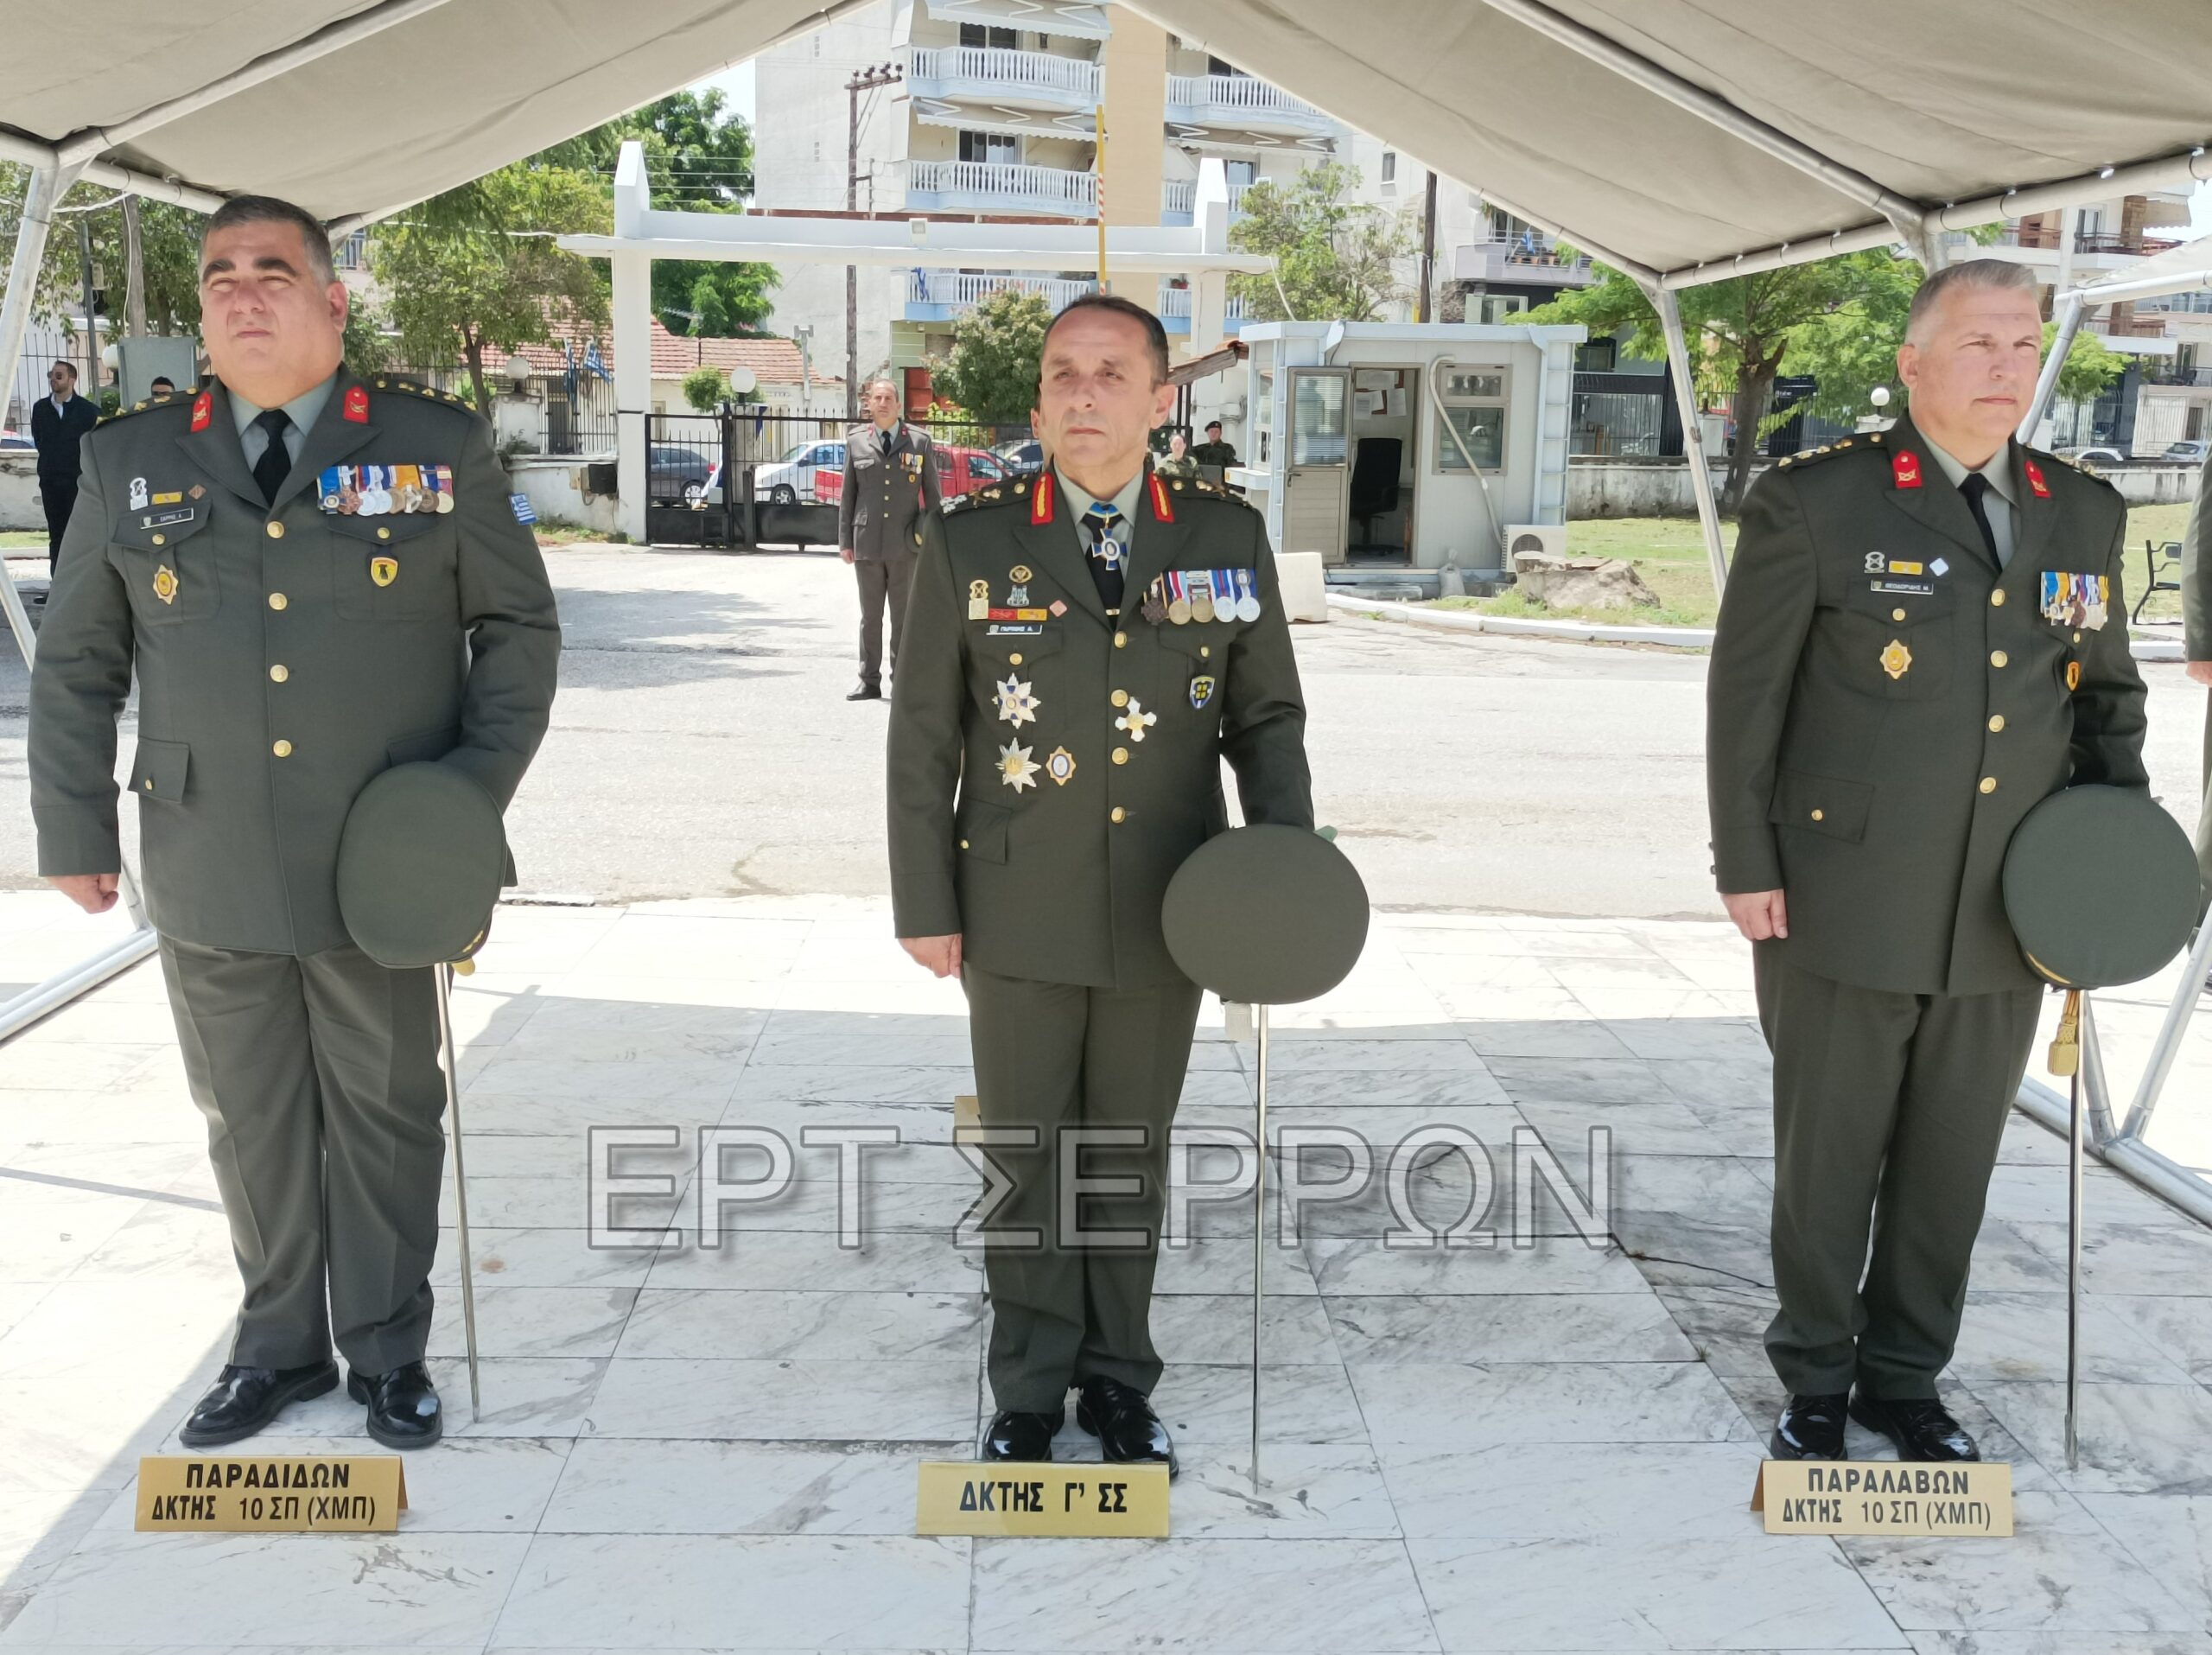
(91, 328)
(866, 81)
(1428, 251)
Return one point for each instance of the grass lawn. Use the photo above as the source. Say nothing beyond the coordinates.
(1670, 554)
(17, 540)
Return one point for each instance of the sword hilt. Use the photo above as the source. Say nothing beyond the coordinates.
(2066, 1045)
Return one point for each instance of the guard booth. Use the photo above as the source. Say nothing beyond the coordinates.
(1407, 446)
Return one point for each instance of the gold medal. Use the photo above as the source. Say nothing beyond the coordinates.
(165, 583)
(1201, 598)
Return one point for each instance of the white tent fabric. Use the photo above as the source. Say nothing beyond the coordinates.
(1902, 106)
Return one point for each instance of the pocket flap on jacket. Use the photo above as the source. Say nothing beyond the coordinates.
(1821, 804)
(162, 525)
(158, 770)
(390, 529)
(982, 831)
(424, 747)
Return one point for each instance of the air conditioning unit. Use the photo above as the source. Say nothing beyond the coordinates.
(1534, 537)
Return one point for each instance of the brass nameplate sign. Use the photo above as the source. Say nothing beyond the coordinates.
(964, 1497)
(1883, 1496)
(242, 1493)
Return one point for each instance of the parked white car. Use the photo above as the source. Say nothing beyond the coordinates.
(790, 480)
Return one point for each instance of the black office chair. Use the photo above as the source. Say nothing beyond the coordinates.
(2159, 560)
(1373, 483)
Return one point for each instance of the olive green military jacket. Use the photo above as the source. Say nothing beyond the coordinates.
(2196, 575)
(285, 653)
(1883, 708)
(879, 510)
(1050, 767)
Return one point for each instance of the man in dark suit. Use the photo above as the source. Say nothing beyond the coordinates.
(1923, 637)
(58, 425)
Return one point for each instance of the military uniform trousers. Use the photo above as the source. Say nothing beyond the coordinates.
(1888, 1109)
(2204, 812)
(320, 1079)
(882, 580)
(1054, 1055)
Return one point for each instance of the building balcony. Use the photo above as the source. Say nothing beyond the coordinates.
(1172, 306)
(1532, 261)
(942, 295)
(996, 75)
(1178, 201)
(1246, 102)
(1000, 186)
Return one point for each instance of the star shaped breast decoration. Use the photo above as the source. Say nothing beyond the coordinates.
(1017, 702)
(1016, 768)
(1136, 720)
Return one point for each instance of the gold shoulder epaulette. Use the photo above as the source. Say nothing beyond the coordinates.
(1000, 494)
(1216, 491)
(179, 399)
(1841, 445)
(414, 388)
(2081, 466)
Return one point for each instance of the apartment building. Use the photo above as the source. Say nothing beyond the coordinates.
(997, 117)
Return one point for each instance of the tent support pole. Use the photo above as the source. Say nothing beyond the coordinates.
(1678, 369)
(2070, 312)
(48, 184)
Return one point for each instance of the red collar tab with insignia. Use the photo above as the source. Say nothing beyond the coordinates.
(1905, 468)
(1161, 509)
(203, 411)
(357, 405)
(1040, 500)
(2035, 479)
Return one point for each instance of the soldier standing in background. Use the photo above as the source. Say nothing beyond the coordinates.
(1922, 638)
(1085, 647)
(287, 652)
(890, 481)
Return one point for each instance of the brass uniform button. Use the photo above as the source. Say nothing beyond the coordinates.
(160, 540)
(1989, 783)
(2077, 637)
(1996, 722)
(1997, 658)
(963, 844)
(1897, 615)
(1819, 816)
(278, 600)
(1120, 697)
(149, 784)
(1117, 814)
(1205, 651)
(1120, 641)
(279, 672)
(382, 534)
(1997, 600)
(1015, 660)
(276, 532)
(283, 749)
(1121, 755)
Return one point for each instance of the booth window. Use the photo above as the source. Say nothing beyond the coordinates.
(1474, 402)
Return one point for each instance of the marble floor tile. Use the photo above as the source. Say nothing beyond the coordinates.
(1224, 1265)
(1343, 1054)
(848, 1082)
(1565, 1490)
(1344, 1266)
(2020, 1338)
(1324, 1596)
(730, 1592)
(788, 1400)
(1545, 1037)
(1635, 1128)
(1725, 1322)
(1345, 1090)
(1534, 1328)
(631, 1486)
(1209, 1409)
(2059, 1643)
(673, 1080)
(1466, 1405)
(1746, 1590)
(2133, 1438)
(1216, 1327)
(2169, 1535)
(1306, 1491)
(1597, 1080)
(523, 1397)
(2178, 1325)
(511, 1257)
(891, 1261)
(766, 1324)
(1716, 1189)
(923, 1130)
(602, 1031)
(534, 1321)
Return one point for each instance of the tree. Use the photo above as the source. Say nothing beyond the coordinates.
(705, 387)
(699, 159)
(483, 274)
(169, 255)
(1743, 330)
(2090, 366)
(991, 371)
(1335, 260)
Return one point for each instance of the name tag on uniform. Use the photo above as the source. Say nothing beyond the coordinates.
(1917, 589)
(1030, 631)
(163, 519)
(384, 491)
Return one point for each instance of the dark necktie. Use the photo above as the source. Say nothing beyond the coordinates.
(889, 438)
(276, 463)
(1102, 525)
(1975, 487)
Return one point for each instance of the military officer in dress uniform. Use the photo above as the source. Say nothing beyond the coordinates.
(1923, 637)
(890, 481)
(1083, 649)
(287, 649)
(2196, 644)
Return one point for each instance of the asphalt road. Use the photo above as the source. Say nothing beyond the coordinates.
(702, 746)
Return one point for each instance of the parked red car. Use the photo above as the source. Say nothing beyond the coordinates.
(958, 471)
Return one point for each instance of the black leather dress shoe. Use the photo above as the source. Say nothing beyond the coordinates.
(1012, 1435)
(866, 693)
(1811, 1428)
(1922, 1428)
(404, 1409)
(1121, 1417)
(243, 1400)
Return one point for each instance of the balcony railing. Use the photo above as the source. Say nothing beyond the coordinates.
(1041, 189)
(1181, 196)
(962, 289)
(1241, 94)
(1536, 251)
(1000, 67)
(1176, 301)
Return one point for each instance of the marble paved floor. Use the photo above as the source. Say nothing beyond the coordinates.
(1539, 1445)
